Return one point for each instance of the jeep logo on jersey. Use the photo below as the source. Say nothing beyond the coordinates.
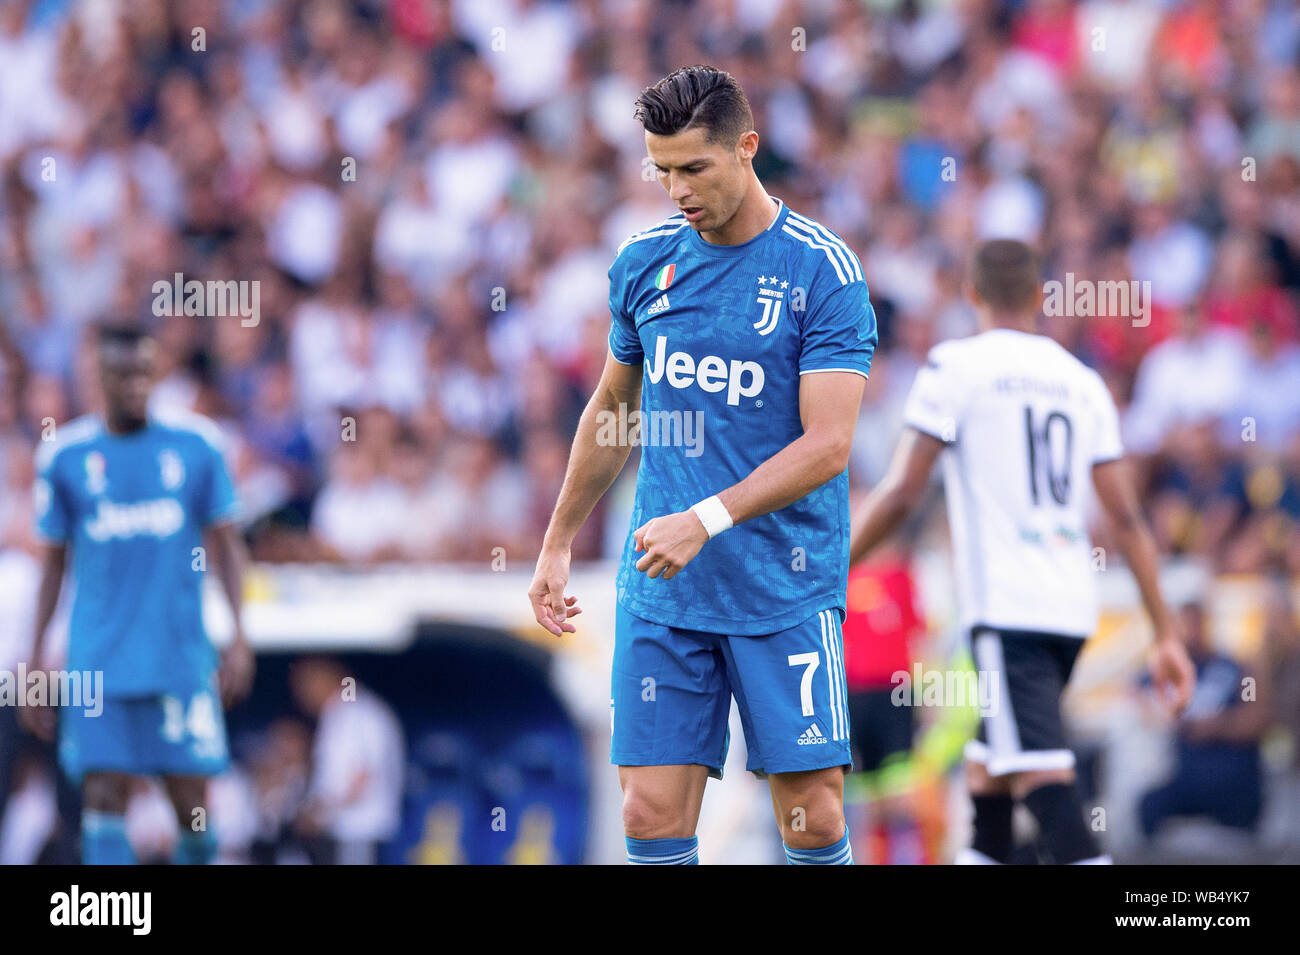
(711, 373)
(161, 517)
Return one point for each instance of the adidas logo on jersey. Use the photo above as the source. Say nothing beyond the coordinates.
(811, 735)
(660, 305)
(711, 373)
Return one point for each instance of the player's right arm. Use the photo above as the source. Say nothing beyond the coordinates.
(1171, 668)
(931, 419)
(897, 495)
(53, 527)
(40, 720)
(593, 466)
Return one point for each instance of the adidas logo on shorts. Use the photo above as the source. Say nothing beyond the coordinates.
(660, 305)
(812, 734)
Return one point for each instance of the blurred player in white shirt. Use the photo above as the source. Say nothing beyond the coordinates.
(1025, 431)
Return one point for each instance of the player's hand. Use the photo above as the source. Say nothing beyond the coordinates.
(41, 721)
(1172, 671)
(670, 542)
(310, 821)
(1200, 730)
(235, 678)
(550, 607)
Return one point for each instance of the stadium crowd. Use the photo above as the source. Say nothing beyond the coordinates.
(429, 193)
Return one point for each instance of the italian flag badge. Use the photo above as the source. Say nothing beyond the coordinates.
(665, 276)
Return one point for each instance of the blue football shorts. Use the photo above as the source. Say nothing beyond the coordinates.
(183, 735)
(671, 696)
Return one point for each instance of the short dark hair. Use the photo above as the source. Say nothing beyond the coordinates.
(125, 334)
(1006, 275)
(696, 96)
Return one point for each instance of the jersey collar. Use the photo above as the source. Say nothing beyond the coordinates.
(711, 248)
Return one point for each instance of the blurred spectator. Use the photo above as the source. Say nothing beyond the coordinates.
(429, 216)
(39, 809)
(279, 771)
(1213, 357)
(881, 627)
(1217, 768)
(354, 798)
(1282, 661)
(359, 510)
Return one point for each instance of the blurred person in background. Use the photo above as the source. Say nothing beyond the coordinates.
(1197, 494)
(1214, 357)
(1217, 769)
(20, 574)
(279, 771)
(354, 799)
(29, 774)
(1265, 414)
(132, 488)
(359, 510)
(1025, 431)
(881, 623)
(485, 497)
(1267, 541)
(1282, 663)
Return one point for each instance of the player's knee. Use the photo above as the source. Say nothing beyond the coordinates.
(811, 815)
(980, 783)
(1024, 783)
(105, 792)
(813, 827)
(188, 798)
(647, 815)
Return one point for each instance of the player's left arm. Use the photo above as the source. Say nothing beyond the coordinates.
(218, 505)
(228, 559)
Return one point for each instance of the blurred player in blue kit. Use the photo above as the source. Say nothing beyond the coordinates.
(743, 332)
(143, 501)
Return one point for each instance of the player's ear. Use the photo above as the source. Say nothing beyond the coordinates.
(973, 296)
(747, 146)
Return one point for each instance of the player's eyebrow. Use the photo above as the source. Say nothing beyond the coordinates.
(702, 161)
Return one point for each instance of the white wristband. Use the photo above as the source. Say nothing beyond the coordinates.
(713, 515)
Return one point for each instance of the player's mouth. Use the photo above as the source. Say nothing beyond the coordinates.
(692, 213)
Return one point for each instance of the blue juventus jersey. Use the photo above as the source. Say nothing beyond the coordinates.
(725, 332)
(132, 509)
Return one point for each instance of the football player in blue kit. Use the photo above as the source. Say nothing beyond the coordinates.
(143, 501)
(742, 335)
